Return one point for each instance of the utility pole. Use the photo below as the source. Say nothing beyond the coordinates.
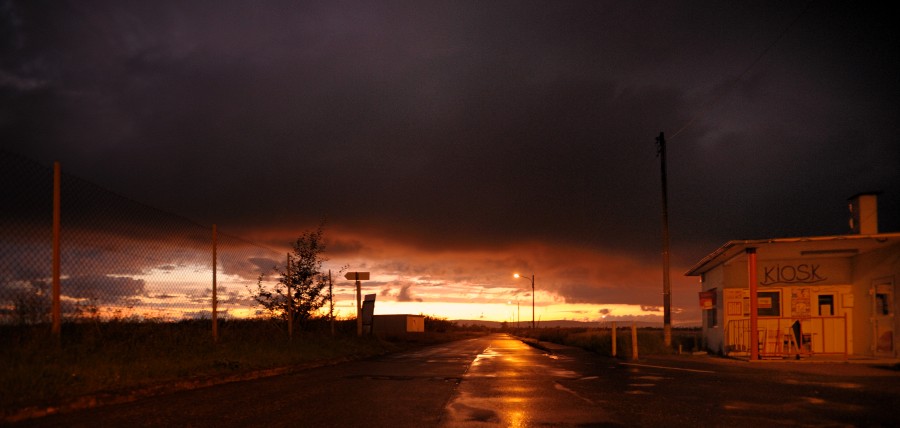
(667, 288)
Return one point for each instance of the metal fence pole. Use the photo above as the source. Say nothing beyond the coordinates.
(215, 308)
(331, 302)
(290, 300)
(55, 312)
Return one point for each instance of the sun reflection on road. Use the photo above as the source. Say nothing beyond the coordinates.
(512, 384)
(516, 419)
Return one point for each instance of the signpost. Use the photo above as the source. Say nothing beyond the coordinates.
(358, 276)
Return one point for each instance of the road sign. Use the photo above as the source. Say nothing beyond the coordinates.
(368, 310)
(357, 276)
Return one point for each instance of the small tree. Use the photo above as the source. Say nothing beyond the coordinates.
(302, 286)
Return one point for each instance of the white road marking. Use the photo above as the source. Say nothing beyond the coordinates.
(667, 368)
(562, 388)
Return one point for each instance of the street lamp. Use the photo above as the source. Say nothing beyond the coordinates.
(532, 295)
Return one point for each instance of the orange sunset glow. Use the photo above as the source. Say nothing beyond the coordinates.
(575, 283)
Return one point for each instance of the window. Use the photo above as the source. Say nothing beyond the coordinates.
(882, 304)
(884, 297)
(768, 304)
(826, 305)
(712, 317)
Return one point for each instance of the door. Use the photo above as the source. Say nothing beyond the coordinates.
(829, 331)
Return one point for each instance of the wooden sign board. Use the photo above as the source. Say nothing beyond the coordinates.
(357, 276)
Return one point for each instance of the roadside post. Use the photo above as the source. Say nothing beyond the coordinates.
(358, 276)
(613, 339)
(634, 342)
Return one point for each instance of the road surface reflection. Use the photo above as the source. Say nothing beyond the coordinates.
(513, 385)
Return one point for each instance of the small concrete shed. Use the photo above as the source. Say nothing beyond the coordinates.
(398, 324)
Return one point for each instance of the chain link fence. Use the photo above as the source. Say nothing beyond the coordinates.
(119, 259)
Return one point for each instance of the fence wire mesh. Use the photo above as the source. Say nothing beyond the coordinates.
(119, 259)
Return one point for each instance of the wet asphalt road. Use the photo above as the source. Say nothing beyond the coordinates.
(499, 381)
(513, 385)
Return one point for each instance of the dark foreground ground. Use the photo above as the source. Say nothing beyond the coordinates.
(497, 380)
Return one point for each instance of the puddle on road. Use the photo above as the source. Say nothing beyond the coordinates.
(465, 413)
(566, 374)
(487, 354)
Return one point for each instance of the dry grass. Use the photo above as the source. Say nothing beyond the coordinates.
(91, 358)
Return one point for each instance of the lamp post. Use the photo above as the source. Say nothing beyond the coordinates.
(532, 295)
(517, 317)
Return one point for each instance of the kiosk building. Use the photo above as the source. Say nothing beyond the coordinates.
(794, 297)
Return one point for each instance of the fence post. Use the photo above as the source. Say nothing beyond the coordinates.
(215, 302)
(55, 312)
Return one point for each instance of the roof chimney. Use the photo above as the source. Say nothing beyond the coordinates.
(864, 213)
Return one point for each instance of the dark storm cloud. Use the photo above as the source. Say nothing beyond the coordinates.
(102, 288)
(455, 125)
(403, 295)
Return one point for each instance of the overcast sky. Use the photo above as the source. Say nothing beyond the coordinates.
(452, 143)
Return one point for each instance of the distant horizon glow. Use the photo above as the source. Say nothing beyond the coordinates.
(184, 292)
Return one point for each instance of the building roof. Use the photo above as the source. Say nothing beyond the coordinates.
(793, 248)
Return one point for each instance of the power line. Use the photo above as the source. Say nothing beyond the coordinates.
(734, 82)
